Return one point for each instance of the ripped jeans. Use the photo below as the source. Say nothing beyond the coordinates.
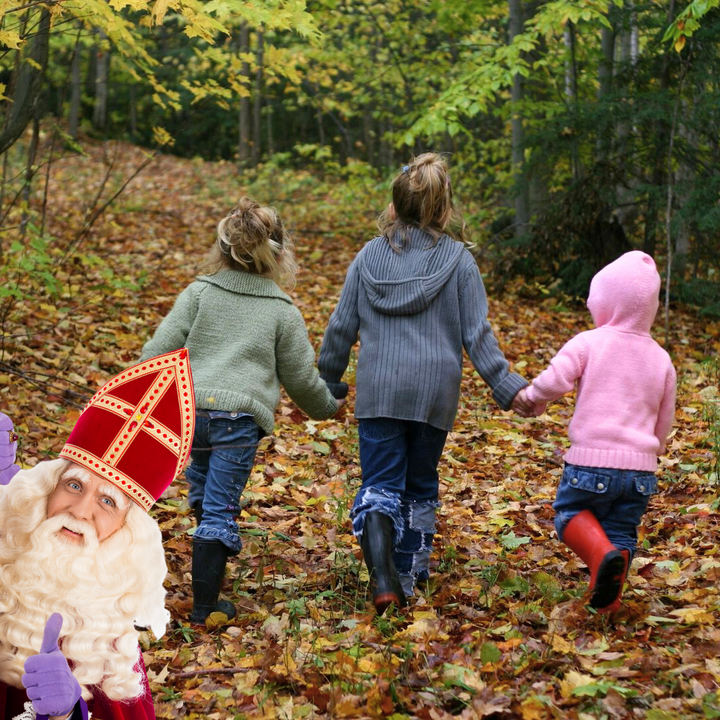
(399, 460)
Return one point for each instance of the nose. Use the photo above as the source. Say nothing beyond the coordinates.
(82, 508)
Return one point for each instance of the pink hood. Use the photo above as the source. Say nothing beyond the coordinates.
(625, 294)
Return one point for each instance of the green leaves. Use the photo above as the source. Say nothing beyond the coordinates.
(688, 22)
(511, 542)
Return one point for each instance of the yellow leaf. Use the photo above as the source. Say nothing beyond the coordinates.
(245, 682)
(533, 709)
(680, 43)
(160, 677)
(216, 620)
(693, 615)
(10, 39)
(368, 665)
(162, 137)
(574, 680)
(160, 10)
(426, 630)
(457, 674)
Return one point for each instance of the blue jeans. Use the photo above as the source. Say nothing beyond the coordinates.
(399, 460)
(222, 457)
(617, 498)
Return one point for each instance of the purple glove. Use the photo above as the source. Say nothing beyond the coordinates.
(8, 448)
(48, 681)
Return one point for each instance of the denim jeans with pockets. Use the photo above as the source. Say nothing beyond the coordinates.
(618, 498)
(222, 457)
(399, 460)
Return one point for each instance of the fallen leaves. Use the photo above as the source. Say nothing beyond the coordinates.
(502, 631)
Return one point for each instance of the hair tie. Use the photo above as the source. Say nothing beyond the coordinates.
(405, 168)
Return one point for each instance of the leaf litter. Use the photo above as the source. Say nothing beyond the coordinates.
(502, 631)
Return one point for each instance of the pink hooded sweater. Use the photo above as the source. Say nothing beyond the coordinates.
(625, 380)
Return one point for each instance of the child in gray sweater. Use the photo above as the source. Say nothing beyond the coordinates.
(245, 338)
(415, 298)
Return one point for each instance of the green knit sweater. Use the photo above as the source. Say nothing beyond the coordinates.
(245, 338)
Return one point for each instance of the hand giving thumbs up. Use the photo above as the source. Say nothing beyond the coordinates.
(48, 680)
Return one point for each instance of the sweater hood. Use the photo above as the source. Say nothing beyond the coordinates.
(626, 293)
(244, 283)
(405, 282)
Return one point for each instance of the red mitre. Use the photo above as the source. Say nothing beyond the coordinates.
(137, 430)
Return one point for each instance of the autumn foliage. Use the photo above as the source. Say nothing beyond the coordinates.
(502, 631)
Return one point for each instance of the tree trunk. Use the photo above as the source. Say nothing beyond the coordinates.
(605, 84)
(269, 125)
(683, 181)
(244, 117)
(75, 93)
(101, 87)
(662, 133)
(387, 151)
(27, 86)
(522, 198)
(257, 106)
(369, 137)
(628, 52)
(133, 112)
(571, 92)
(29, 174)
(2, 196)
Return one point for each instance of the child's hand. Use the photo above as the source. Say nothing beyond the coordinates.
(340, 402)
(522, 406)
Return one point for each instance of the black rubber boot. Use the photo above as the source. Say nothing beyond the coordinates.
(377, 547)
(208, 571)
(197, 509)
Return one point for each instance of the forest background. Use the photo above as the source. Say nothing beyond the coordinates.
(575, 130)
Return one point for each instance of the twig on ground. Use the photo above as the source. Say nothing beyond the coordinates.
(210, 671)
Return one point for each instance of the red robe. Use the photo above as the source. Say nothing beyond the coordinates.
(12, 703)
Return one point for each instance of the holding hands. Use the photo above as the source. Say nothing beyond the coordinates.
(524, 407)
(8, 448)
(48, 680)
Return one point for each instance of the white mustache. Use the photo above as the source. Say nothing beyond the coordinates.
(64, 520)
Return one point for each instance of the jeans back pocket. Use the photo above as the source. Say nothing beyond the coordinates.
(646, 484)
(590, 481)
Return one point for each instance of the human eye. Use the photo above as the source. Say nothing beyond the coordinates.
(109, 502)
(72, 484)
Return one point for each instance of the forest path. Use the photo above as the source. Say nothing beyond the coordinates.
(503, 631)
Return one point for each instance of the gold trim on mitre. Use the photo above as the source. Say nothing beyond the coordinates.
(172, 373)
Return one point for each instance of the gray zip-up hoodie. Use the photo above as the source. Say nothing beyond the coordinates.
(414, 310)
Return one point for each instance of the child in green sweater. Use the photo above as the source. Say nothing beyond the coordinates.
(245, 338)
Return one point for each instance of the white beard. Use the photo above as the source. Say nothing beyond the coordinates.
(100, 589)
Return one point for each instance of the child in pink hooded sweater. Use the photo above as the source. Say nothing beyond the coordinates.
(623, 415)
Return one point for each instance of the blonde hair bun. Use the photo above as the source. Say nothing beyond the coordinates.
(252, 238)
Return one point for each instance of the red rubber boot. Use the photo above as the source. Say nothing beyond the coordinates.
(585, 536)
(617, 604)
